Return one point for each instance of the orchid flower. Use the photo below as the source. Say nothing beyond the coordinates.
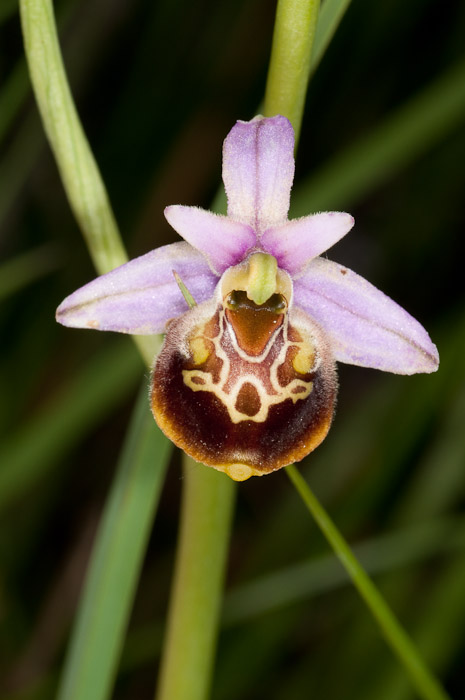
(245, 381)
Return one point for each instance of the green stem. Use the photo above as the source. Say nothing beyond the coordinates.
(79, 172)
(291, 54)
(188, 655)
(425, 683)
(81, 178)
(207, 507)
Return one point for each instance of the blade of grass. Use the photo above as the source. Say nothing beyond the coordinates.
(81, 177)
(30, 454)
(116, 560)
(7, 9)
(321, 574)
(435, 488)
(389, 147)
(83, 184)
(117, 557)
(17, 87)
(331, 14)
(438, 631)
(12, 96)
(314, 577)
(21, 271)
(438, 482)
(426, 685)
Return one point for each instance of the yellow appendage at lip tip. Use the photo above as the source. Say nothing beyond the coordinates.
(239, 472)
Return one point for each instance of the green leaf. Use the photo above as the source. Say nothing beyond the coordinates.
(21, 271)
(116, 561)
(331, 14)
(390, 146)
(422, 679)
(31, 453)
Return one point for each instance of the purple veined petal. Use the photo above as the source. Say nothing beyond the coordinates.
(298, 241)
(222, 241)
(258, 170)
(142, 295)
(365, 327)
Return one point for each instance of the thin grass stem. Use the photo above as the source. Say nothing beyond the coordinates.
(425, 683)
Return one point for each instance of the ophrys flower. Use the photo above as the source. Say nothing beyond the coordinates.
(245, 381)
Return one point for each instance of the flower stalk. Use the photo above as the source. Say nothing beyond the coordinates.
(291, 57)
(206, 514)
(188, 632)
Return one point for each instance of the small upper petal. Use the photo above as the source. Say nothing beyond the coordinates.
(142, 295)
(365, 327)
(298, 241)
(222, 241)
(258, 170)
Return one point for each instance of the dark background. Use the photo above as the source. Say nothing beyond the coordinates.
(158, 86)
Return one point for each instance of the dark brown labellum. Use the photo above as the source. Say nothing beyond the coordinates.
(244, 388)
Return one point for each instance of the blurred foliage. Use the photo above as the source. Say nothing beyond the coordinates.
(158, 85)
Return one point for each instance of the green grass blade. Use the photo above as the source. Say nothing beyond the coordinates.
(316, 576)
(399, 140)
(12, 96)
(81, 177)
(322, 574)
(438, 631)
(79, 172)
(7, 9)
(331, 14)
(20, 271)
(31, 453)
(425, 683)
(116, 561)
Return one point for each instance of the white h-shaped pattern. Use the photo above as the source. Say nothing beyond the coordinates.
(296, 389)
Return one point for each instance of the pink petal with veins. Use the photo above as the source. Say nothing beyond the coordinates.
(258, 170)
(222, 241)
(365, 327)
(142, 295)
(298, 241)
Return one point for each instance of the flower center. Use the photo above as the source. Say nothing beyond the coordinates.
(260, 278)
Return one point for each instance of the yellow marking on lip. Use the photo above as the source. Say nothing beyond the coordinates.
(304, 360)
(199, 350)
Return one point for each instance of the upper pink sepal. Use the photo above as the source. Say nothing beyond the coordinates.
(365, 327)
(296, 242)
(221, 240)
(142, 295)
(258, 170)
